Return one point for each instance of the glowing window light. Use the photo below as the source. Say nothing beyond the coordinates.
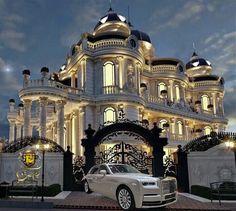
(103, 20)
(177, 92)
(209, 63)
(205, 102)
(109, 115)
(109, 74)
(161, 123)
(122, 18)
(161, 87)
(195, 64)
(207, 130)
(180, 127)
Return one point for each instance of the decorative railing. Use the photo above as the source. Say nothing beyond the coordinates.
(164, 68)
(107, 43)
(110, 89)
(181, 105)
(52, 83)
(206, 83)
(206, 142)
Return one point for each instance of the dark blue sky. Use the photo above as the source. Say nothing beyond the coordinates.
(36, 33)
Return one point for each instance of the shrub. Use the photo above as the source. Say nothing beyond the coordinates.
(202, 191)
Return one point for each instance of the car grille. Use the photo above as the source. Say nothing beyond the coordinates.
(168, 186)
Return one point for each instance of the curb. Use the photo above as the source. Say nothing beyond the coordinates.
(98, 207)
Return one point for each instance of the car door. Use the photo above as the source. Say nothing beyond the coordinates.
(92, 178)
(103, 181)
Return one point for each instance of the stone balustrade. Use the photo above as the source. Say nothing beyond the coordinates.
(164, 68)
(107, 44)
(206, 83)
(52, 83)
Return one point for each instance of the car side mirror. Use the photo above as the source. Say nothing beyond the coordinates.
(103, 172)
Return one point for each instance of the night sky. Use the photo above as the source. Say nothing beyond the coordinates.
(37, 33)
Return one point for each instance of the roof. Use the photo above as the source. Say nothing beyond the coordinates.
(206, 78)
(164, 62)
(197, 61)
(141, 35)
(111, 16)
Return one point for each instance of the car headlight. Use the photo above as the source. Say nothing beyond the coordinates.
(148, 183)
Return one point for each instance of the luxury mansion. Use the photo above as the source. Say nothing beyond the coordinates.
(112, 74)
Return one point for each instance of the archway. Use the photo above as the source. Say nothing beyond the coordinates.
(149, 137)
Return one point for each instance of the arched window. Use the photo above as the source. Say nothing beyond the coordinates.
(161, 86)
(205, 102)
(177, 92)
(161, 123)
(180, 127)
(108, 74)
(207, 130)
(109, 115)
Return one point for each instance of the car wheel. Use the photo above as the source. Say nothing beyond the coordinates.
(125, 198)
(86, 187)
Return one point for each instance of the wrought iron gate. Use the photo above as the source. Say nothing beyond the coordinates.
(127, 154)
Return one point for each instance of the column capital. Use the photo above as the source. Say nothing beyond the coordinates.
(43, 100)
(27, 102)
(61, 102)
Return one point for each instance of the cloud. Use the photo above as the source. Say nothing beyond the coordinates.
(222, 47)
(83, 21)
(229, 106)
(10, 35)
(8, 80)
(13, 39)
(191, 10)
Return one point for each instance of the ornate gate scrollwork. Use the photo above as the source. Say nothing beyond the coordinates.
(127, 154)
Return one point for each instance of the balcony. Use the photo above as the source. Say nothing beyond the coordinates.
(110, 90)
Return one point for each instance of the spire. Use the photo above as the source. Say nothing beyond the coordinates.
(129, 23)
(110, 9)
(194, 50)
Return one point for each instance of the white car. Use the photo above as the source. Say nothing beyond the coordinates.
(129, 187)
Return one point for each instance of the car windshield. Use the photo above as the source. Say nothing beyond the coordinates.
(123, 169)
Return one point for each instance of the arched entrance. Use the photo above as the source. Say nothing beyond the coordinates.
(149, 137)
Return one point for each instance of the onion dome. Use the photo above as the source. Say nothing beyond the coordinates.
(112, 23)
(197, 61)
(11, 101)
(21, 105)
(110, 17)
(44, 69)
(141, 36)
(26, 72)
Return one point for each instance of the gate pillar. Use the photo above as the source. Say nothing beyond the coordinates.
(182, 170)
(158, 152)
(68, 170)
(89, 148)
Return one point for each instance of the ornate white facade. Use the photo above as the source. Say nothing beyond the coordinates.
(114, 73)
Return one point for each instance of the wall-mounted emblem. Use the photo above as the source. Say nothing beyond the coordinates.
(29, 157)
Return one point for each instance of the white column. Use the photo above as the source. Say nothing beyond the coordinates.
(74, 133)
(82, 127)
(12, 131)
(27, 118)
(171, 90)
(187, 130)
(73, 79)
(68, 132)
(18, 131)
(43, 116)
(173, 127)
(60, 122)
(138, 78)
(121, 72)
